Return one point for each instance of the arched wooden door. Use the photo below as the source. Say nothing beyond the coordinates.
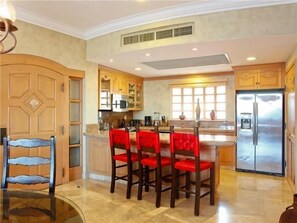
(33, 103)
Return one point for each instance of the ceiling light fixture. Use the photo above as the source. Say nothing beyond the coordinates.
(195, 49)
(110, 60)
(147, 54)
(137, 68)
(7, 17)
(251, 58)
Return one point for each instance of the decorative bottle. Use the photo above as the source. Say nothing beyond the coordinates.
(198, 110)
(182, 116)
(212, 115)
(100, 121)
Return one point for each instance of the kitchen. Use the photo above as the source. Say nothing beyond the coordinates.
(51, 45)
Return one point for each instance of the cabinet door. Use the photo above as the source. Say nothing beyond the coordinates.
(120, 85)
(246, 79)
(270, 78)
(105, 89)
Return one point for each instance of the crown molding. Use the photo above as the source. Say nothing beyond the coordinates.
(187, 9)
(39, 20)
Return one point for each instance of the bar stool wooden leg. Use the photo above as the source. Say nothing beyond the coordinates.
(197, 194)
(158, 186)
(140, 183)
(173, 188)
(212, 185)
(147, 178)
(188, 184)
(129, 183)
(113, 175)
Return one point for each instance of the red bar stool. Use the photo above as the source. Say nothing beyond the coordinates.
(149, 143)
(186, 146)
(120, 140)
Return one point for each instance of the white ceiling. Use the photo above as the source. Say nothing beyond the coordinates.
(88, 19)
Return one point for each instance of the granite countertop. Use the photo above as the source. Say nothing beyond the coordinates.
(205, 139)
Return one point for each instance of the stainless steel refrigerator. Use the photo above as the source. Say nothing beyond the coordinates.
(260, 132)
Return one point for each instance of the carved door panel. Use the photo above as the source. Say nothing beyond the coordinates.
(32, 106)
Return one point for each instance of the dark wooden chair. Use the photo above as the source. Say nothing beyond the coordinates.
(122, 157)
(30, 177)
(148, 143)
(186, 146)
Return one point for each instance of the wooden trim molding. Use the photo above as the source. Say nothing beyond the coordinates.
(9, 59)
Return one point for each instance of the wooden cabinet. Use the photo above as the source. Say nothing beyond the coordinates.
(135, 94)
(105, 83)
(111, 81)
(120, 85)
(291, 151)
(98, 156)
(266, 76)
(290, 79)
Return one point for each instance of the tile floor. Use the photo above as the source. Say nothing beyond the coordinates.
(241, 198)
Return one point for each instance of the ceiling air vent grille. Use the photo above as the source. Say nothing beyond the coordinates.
(183, 31)
(164, 34)
(158, 33)
(130, 39)
(146, 37)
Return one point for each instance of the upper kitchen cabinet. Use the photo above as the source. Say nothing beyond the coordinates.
(266, 76)
(120, 84)
(105, 82)
(112, 81)
(136, 94)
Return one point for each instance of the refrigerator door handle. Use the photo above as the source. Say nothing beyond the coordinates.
(256, 123)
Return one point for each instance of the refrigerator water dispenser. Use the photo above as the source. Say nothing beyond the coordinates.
(246, 120)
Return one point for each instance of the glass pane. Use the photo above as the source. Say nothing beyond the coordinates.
(221, 89)
(176, 99)
(176, 115)
(198, 90)
(189, 115)
(209, 106)
(74, 89)
(209, 90)
(188, 107)
(187, 91)
(176, 91)
(176, 107)
(74, 112)
(201, 99)
(221, 98)
(221, 106)
(74, 156)
(221, 115)
(74, 134)
(209, 98)
(187, 99)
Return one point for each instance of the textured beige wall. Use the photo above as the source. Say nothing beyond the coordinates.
(66, 50)
(157, 95)
(245, 23)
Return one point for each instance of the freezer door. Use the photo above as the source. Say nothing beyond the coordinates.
(245, 131)
(270, 133)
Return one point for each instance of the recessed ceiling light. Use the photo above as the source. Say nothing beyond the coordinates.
(195, 49)
(147, 54)
(137, 68)
(251, 58)
(110, 60)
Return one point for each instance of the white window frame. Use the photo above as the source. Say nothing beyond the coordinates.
(205, 114)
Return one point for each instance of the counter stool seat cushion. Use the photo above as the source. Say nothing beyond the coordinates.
(123, 157)
(152, 161)
(189, 165)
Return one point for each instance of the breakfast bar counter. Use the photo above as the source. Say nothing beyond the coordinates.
(99, 161)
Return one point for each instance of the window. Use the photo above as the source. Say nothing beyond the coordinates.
(211, 97)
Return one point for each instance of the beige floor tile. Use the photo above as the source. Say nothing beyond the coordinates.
(241, 198)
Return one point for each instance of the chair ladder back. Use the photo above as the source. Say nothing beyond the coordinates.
(9, 145)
